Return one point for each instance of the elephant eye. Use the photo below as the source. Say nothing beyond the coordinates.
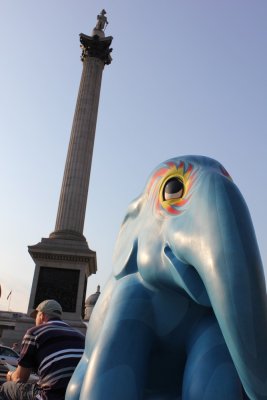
(173, 189)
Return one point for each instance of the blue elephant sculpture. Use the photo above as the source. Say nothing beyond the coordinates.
(184, 314)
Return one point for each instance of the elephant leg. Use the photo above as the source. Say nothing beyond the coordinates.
(74, 387)
(210, 373)
(118, 364)
(93, 331)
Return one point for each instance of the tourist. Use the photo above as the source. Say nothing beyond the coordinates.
(52, 349)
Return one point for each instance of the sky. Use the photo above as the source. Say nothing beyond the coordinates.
(187, 77)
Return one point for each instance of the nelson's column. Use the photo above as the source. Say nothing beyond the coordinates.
(64, 261)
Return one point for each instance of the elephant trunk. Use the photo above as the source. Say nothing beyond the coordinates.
(236, 288)
(226, 256)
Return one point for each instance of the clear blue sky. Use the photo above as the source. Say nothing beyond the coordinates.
(187, 77)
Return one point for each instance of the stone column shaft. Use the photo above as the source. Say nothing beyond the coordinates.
(74, 191)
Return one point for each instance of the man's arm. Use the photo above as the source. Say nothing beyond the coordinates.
(21, 374)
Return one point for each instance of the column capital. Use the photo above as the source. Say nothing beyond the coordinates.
(95, 46)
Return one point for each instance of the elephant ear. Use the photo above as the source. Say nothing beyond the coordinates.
(125, 253)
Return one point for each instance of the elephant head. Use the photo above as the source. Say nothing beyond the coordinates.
(191, 231)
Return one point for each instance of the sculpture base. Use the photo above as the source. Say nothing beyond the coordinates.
(62, 267)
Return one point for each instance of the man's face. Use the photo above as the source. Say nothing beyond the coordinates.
(39, 319)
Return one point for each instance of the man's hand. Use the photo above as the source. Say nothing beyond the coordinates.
(20, 374)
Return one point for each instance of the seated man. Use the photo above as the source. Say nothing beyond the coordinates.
(53, 349)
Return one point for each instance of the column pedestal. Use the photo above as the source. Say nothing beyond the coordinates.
(62, 268)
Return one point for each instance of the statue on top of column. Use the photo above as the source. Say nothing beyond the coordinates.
(101, 21)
